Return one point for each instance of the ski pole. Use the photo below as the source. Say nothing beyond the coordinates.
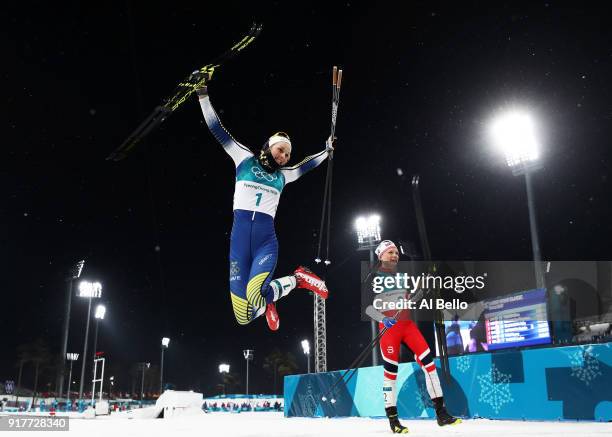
(354, 365)
(326, 208)
(361, 357)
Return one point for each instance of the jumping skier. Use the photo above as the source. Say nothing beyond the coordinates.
(401, 329)
(260, 179)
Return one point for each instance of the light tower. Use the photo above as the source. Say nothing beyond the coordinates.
(75, 273)
(248, 356)
(368, 237)
(72, 358)
(224, 369)
(513, 133)
(320, 334)
(143, 366)
(165, 342)
(98, 315)
(88, 290)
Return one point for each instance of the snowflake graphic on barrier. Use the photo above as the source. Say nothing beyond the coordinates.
(464, 363)
(308, 401)
(495, 389)
(585, 365)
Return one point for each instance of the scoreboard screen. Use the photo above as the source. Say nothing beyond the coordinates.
(517, 320)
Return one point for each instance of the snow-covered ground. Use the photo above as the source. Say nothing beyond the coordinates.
(274, 424)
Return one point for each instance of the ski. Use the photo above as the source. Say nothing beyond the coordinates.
(184, 89)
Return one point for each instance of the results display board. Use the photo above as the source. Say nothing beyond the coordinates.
(515, 320)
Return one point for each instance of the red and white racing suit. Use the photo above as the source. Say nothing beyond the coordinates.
(404, 331)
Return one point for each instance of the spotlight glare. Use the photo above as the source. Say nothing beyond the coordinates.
(513, 133)
(368, 229)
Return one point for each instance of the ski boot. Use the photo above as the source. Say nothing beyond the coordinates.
(309, 281)
(442, 415)
(396, 426)
(272, 317)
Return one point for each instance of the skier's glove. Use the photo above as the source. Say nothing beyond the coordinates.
(200, 80)
(329, 143)
(389, 322)
(202, 91)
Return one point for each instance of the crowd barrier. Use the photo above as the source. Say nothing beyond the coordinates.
(563, 383)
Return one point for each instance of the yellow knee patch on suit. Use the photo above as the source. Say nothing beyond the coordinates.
(243, 311)
(254, 290)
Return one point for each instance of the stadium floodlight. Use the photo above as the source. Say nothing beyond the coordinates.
(513, 133)
(90, 289)
(100, 312)
(165, 342)
(78, 268)
(306, 349)
(368, 230)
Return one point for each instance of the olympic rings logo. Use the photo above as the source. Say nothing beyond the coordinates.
(260, 174)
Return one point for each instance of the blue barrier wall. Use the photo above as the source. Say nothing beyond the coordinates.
(573, 382)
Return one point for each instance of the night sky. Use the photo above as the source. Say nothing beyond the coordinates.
(422, 81)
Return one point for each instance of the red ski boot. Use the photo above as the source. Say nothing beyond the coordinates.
(308, 280)
(272, 317)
